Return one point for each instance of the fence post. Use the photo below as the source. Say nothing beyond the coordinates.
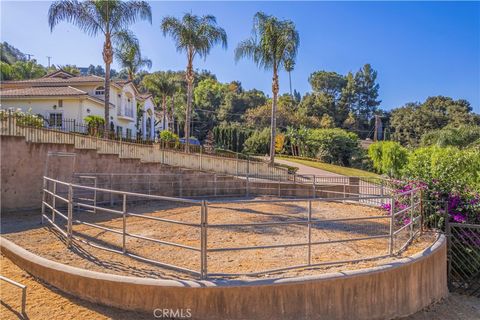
(203, 240)
(448, 232)
(95, 195)
(309, 232)
(412, 209)
(111, 188)
(314, 186)
(54, 202)
(201, 159)
(392, 223)
(70, 214)
(180, 185)
(44, 197)
(149, 185)
(124, 226)
(279, 192)
(422, 221)
(215, 184)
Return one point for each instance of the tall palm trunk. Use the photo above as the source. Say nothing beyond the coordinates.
(189, 78)
(172, 109)
(107, 58)
(274, 115)
(164, 106)
(290, 82)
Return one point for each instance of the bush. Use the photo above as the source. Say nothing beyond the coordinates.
(26, 119)
(95, 125)
(168, 136)
(388, 157)
(334, 146)
(461, 137)
(258, 142)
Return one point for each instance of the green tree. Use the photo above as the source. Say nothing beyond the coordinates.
(161, 86)
(410, 122)
(462, 137)
(388, 157)
(22, 70)
(129, 56)
(70, 69)
(193, 35)
(273, 43)
(289, 66)
(111, 18)
(366, 90)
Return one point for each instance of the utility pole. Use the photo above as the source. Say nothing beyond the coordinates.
(29, 56)
(48, 57)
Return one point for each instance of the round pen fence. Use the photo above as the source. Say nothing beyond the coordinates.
(209, 220)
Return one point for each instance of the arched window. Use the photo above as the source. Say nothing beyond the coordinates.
(100, 91)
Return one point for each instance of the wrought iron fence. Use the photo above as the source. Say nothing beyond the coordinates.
(64, 201)
(172, 154)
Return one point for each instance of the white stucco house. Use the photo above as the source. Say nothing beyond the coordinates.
(61, 96)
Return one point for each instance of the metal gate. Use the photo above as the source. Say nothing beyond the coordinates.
(464, 258)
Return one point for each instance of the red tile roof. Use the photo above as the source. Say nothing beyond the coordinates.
(41, 92)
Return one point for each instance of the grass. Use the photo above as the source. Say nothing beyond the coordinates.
(333, 168)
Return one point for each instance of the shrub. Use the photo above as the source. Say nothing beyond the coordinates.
(168, 136)
(388, 157)
(258, 142)
(335, 146)
(461, 137)
(26, 119)
(95, 125)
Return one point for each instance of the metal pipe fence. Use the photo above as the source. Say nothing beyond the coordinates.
(63, 202)
(22, 287)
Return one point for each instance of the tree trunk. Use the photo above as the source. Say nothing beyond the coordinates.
(290, 82)
(274, 115)
(164, 107)
(107, 58)
(172, 114)
(189, 78)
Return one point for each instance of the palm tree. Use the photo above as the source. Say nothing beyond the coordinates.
(193, 35)
(162, 86)
(272, 44)
(108, 17)
(289, 66)
(129, 56)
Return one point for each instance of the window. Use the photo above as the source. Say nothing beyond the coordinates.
(119, 131)
(55, 120)
(129, 133)
(60, 103)
(100, 91)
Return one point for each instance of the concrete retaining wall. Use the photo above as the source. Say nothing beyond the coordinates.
(384, 292)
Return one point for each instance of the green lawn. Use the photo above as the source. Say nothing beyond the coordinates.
(333, 168)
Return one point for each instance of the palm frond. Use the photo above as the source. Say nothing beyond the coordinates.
(80, 14)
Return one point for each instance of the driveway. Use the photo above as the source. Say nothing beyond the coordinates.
(303, 169)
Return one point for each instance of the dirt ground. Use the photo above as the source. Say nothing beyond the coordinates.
(25, 230)
(46, 302)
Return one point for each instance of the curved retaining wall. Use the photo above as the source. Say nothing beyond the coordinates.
(384, 292)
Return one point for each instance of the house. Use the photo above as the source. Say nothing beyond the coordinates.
(62, 97)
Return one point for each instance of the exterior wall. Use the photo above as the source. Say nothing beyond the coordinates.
(72, 108)
(23, 165)
(394, 290)
(77, 108)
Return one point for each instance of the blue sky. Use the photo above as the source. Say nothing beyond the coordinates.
(419, 49)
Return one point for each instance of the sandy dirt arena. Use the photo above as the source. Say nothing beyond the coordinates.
(26, 230)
